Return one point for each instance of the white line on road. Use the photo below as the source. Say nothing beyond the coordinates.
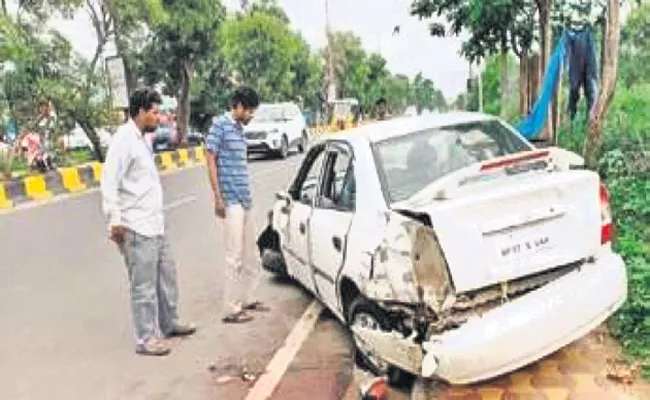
(179, 202)
(267, 383)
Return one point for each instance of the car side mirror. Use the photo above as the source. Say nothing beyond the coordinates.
(284, 196)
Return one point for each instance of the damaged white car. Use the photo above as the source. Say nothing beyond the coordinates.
(449, 245)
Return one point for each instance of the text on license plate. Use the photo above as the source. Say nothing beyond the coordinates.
(519, 247)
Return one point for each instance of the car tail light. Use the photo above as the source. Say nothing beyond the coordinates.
(607, 227)
(377, 390)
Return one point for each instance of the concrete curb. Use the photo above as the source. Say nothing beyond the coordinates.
(82, 177)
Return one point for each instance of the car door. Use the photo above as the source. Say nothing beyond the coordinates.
(331, 219)
(302, 193)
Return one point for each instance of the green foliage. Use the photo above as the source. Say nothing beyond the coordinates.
(262, 48)
(492, 86)
(625, 166)
(635, 48)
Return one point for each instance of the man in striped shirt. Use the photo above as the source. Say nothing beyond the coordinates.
(229, 179)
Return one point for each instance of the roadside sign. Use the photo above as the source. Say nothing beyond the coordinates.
(117, 82)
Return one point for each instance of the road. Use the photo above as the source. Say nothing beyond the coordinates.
(65, 331)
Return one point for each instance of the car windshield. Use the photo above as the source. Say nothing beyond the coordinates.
(269, 114)
(411, 162)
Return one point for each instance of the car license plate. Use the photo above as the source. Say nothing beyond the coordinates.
(518, 247)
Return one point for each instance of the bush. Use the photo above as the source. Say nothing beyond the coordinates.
(624, 164)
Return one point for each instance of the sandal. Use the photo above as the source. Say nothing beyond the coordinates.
(256, 306)
(239, 317)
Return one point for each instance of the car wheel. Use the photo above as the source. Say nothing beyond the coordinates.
(364, 313)
(274, 262)
(284, 148)
(303, 143)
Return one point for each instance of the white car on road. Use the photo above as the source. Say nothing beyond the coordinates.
(449, 245)
(275, 129)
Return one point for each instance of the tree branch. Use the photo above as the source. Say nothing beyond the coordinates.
(94, 17)
(4, 7)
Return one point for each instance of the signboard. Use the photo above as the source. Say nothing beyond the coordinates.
(117, 82)
(331, 92)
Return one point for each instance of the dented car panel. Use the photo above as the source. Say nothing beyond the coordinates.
(467, 278)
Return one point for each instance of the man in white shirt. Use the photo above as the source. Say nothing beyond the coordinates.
(133, 204)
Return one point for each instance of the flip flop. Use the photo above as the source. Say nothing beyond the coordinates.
(239, 317)
(256, 306)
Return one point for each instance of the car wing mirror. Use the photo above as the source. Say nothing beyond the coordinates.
(284, 196)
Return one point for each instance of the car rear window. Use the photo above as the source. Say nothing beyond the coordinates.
(409, 163)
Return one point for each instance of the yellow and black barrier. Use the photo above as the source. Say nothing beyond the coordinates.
(80, 178)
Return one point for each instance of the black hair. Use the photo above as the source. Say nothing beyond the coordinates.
(143, 98)
(246, 97)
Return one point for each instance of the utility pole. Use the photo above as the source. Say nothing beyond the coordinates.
(480, 88)
(331, 92)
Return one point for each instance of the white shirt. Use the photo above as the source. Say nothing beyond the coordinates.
(131, 188)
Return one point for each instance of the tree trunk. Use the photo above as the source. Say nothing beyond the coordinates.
(546, 35)
(533, 80)
(523, 84)
(504, 81)
(183, 113)
(94, 139)
(608, 84)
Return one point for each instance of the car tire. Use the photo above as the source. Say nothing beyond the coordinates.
(304, 142)
(373, 314)
(274, 262)
(283, 152)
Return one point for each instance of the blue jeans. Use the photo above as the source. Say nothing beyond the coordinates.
(154, 291)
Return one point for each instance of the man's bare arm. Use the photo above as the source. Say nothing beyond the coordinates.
(214, 183)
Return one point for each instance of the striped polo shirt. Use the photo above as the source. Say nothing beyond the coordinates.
(226, 140)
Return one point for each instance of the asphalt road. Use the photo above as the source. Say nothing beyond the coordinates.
(65, 329)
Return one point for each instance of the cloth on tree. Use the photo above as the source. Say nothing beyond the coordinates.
(583, 69)
(534, 122)
(578, 49)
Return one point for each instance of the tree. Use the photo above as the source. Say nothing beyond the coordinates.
(635, 47)
(262, 49)
(611, 42)
(425, 95)
(495, 28)
(178, 45)
(131, 19)
(270, 7)
(210, 91)
(47, 68)
(347, 55)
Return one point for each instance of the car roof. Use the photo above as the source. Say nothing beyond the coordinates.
(382, 130)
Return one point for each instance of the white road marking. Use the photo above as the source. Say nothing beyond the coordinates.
(267, 383)
(179, 202)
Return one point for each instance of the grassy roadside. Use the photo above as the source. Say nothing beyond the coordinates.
(624, 164)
